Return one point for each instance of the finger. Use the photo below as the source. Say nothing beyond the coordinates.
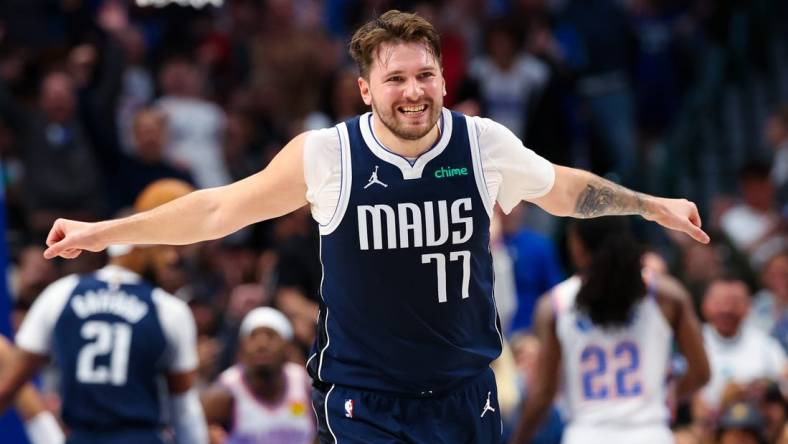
(52, 252)
(70, 254)
(697, 234)
(57, 249)
(56, 234)
(695, 216)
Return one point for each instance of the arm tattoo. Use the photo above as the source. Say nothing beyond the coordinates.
(604, 198)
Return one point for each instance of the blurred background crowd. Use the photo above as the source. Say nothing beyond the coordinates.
(671, 97)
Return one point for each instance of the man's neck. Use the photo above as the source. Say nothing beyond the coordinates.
(269, 389)
(405, 147)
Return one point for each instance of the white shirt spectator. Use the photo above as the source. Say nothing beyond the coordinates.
(196, 129)
(742, 359)
(745, 225)
(507, 94)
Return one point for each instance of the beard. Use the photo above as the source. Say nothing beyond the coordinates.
(400, 128)
(265, 372)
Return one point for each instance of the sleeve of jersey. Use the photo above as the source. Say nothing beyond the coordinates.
(323, 172)
(179, 329)
(35, 333)
(514, 171)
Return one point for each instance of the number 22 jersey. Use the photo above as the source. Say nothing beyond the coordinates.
(613, 377)
(113, 337)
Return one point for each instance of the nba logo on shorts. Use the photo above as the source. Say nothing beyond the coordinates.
(348, 408)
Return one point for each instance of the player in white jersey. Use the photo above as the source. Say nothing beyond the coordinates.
(607, 335)
(263, 399)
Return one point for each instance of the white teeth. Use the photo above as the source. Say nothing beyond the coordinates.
(414, 109)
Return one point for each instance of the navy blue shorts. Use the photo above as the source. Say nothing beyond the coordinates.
(466, 415)
(140, 436)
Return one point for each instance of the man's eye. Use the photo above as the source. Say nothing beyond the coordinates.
(395, 79)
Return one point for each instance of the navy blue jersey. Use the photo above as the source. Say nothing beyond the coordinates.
(108, 343)
(113, 337)
(407, 291)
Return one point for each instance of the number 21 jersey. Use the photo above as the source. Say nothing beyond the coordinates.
(113, 337)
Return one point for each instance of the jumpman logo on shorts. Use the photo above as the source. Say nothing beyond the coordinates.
(487, 406)
(374, 180)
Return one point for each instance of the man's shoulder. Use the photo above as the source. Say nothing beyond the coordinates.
(62, 287)
(323, 139)
(168, 303)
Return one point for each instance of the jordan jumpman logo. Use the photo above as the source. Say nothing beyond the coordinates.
(374, 180)
(487, 406)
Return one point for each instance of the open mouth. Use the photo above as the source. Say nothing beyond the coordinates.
(413, 110)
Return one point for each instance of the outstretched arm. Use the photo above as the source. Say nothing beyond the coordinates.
(202, 215)
(581, 194)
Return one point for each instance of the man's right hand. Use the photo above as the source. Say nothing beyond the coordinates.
(69, 238)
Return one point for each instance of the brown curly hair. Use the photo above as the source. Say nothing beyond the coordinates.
(391, 27)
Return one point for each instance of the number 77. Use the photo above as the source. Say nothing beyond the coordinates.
(440, 260)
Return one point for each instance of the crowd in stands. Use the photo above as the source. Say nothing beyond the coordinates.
(98, 98)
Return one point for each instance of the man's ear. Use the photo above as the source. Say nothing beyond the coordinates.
(363, 87)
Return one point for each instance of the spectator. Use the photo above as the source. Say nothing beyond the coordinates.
(503, 269)
(137, 86)
(536, 266)
(196, 126)
(67, 179)
(505, 82)
(776, 135)
(737, 352)
(773, 406)
(32, 274)
(740, 424)
(599, 43)
(242, 153)
(770, 305)
(147, 163)
(754, 225)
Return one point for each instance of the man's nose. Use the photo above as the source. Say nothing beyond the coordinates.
(413, 89)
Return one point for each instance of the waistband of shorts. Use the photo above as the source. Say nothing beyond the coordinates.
(457, 386)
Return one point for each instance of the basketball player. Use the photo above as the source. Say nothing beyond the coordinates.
(407, 325)
(607, 337)
(263, 399)
(115, 338)
(40, 425)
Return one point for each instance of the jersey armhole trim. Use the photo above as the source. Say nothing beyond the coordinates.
(478, 168)
(346, 175)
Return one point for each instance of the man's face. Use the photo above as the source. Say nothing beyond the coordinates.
(737, 436)
(775, 277)
(165, 264)
(725, 306)
(149, 132)
(263, 351)
(405, 89)
(57, 99)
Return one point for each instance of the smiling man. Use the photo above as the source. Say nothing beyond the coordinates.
(408, 325)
